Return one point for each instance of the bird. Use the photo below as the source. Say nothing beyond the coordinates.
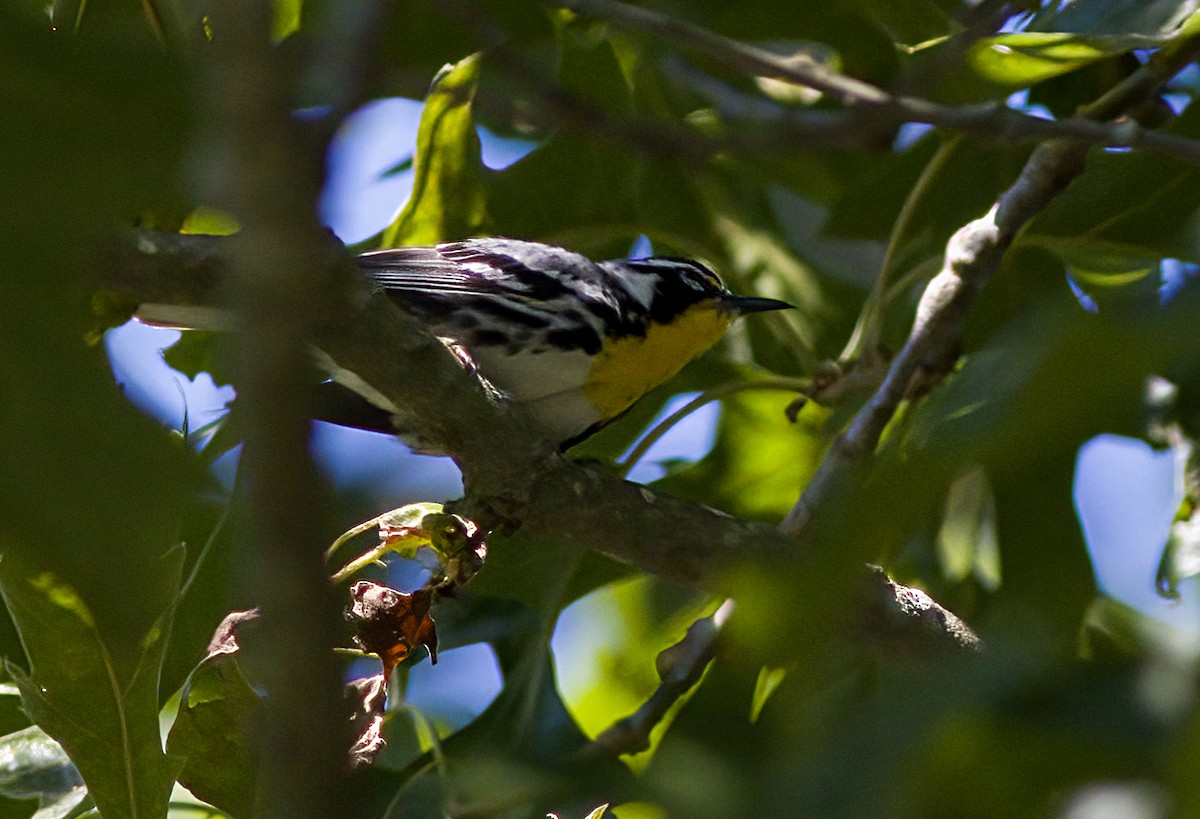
(574, 343)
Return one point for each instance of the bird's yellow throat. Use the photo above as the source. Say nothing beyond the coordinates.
(627, 368)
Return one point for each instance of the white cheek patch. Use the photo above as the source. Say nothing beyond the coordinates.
(641, 286)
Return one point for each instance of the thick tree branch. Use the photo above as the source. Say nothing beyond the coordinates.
(511, 475)
(257, 167)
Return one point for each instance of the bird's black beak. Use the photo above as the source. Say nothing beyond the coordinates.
(743, 305)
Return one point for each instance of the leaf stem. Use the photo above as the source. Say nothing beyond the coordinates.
(870, 321)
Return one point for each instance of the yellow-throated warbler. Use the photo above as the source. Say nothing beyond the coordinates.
(573, 342)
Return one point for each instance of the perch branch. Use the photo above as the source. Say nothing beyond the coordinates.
(510, 475)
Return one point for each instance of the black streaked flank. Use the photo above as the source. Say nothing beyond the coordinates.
(577, 338)
(509, 312)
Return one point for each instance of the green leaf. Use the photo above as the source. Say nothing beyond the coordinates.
(197, 352)
(448, 200)
(1118, 278)
(590, 192)
(1127, 211)
(89, 693)
(967, 538)
(769, 679)
(210, 222)
(760, 461)
(110, 125)
(991, 68)
(1114, 17)
(1016, 61)
(286, 18)
(34, 766)
(642, 618)
(217, 709)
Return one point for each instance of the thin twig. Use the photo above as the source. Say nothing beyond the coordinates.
(870, 323)
(651, 438)
(689, 658)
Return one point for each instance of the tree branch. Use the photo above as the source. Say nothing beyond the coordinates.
(973, 253)
(870, 107)
(511, 476)
(680, 668)
(257, 166)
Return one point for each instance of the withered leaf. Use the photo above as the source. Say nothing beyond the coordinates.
(390, 623)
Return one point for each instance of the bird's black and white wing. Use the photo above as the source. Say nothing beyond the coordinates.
(516, 307)
(499, 293)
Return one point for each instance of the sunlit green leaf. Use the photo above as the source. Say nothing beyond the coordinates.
(768, 680)
(761, 460)
(210, 221)
(1020, 60)
(967, 537)
(991, 68)
(286, 19)
(447, 200)
(642, 619)
(1118, 278)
